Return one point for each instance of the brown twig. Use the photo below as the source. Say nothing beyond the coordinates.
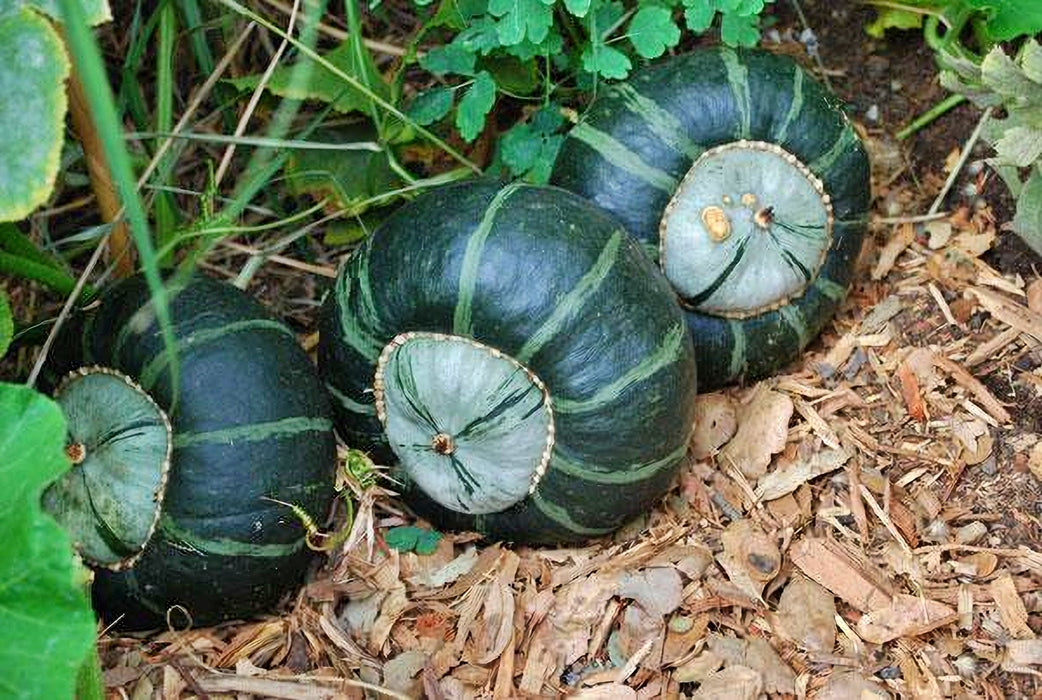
(121, 253)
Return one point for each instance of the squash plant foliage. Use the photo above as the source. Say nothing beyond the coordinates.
(523, 48)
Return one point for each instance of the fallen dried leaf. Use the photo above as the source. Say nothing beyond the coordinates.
(790, 476)
(757, 654)
(733, 683)
(750, 557)
(850, 685)
(716, 421)
(806, 615)
(905, 616)
(763, 427)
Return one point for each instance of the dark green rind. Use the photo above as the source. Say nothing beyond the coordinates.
(544, 248)
(258, 387)
(706, 92)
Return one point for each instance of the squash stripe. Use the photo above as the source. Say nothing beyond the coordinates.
(361, 342)
(256, 432)
(560, 516)
(661, 122)
(794, 107)
(738, 351)
(225, 547)
(367, 307)
(823, 163)
(794, 319)
(574, 300)
(830, 289)
(664, 356)
(616, 153)
(154, 367)
(624, 475)
(468, 276)
(349, 404)
(738, 77)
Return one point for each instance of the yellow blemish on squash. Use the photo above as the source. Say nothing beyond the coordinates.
(716, 223)
(726, 199)
(749, 199)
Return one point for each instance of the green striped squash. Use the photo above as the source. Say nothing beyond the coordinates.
(516, 357)
(251, 424)
(749, 186)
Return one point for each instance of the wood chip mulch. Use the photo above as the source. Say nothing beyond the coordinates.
(866, 526)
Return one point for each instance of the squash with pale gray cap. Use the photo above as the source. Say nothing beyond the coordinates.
(174, 497)
(517, 358)
(746, 182)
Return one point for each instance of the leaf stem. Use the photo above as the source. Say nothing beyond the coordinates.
(938, 110)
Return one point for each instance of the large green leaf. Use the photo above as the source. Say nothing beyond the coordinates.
(1028, 220)
(46, 624)
(96, 11)
(33, 68)
(323, 85)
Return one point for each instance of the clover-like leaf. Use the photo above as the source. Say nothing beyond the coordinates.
(431, 105)
(33, 69)
(475, 104)
(519, 19)
(451, 58)
(46, 624)
(652, 31)
(603, 59)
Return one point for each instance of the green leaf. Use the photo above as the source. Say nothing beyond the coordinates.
(891, 18)
(350, 179)
(519, 148)
(46, 624)
(603, 59)
(522, 18)
(323, 85)
(431, 105)
(652, 31)
(481, 37)
(6, 324)
(699, 14)
(451, 58)
(526, 50)
(1008, 19)
(739, 30)
(1027, 222)
(513, 75)
(408, 538)
(96, 11)
(33, 69)
(579, 8)
(475, 104)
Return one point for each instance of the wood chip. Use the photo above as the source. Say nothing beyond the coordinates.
(1024, 652)
(733, 683)
(1011, 607)
(816, 422)
(992, 405)
(850, 577)
(1010, 312)
(902, 237)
